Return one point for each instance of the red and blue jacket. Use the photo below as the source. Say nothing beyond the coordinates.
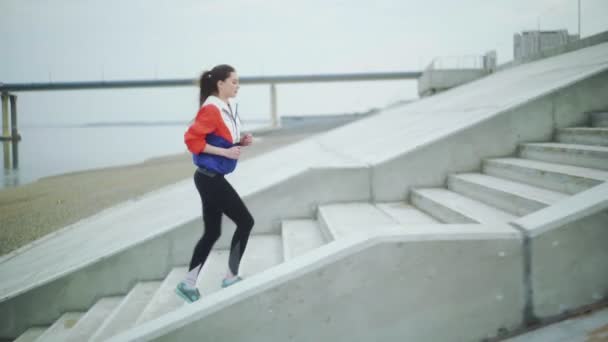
(215, 124)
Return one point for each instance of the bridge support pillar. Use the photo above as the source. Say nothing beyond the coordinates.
(10, 135)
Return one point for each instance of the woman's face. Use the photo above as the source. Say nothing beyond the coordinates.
(229, 87)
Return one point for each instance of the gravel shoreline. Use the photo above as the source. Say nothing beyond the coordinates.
(34, 210)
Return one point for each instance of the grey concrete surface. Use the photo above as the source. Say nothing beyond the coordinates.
(405, 213)
(164, 299)
(263, 252)
(92, 319)
(342, 220)
(592, 327)
(599, 119)
(61, 329)
(577, 207)
(433, 81)
(451, 207)
(583, 136)
(126, 313)
(595, 157)
(563, 178)
(299, 237)
(567, 246)
(31, 334)
(214, 270)
(513, 197)
(568, 266)
(336, 292)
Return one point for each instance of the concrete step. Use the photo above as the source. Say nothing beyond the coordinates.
(514, 197)
(92, 319)
(405, 213)
(583, 136)
(589, 327)
(214, 270)
(299, 237)
(344, 219)
(31, 334)
(263, 251)
(564, 178)
(595, 157)
(165, 299)
(599, 119)
(450, 207)
(126, 313)
(62, 328)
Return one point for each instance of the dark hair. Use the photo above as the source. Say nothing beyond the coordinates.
(209, 79)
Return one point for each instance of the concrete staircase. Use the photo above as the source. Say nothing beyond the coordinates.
(541, 175)
(506, 188)
(149, 300)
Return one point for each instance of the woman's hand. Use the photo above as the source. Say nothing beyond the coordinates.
(247, 139)
(233, 152)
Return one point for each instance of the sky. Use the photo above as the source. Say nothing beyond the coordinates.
(92, 40)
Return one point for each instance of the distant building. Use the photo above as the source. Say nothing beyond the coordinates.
(530, 43)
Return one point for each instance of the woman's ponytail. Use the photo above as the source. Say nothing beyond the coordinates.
(207, 86)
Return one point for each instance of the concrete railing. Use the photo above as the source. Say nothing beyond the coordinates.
(451, 71)
(566, 254)
(399, 284)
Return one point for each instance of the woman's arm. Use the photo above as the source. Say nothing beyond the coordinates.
(205, 123)
(232, 153)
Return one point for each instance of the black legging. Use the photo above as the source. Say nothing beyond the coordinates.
(218, 197)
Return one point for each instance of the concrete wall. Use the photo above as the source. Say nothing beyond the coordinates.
(398, 286)
(80, 289)
(569, 266)
(531, 43)
(567, 258)
(298, 197)
(498, 136)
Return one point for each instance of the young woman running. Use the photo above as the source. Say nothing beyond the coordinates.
(215, 140)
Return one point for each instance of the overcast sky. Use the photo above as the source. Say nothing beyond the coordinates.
(83, 40)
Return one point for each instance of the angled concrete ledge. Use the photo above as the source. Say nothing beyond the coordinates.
(567, 255)
(574, 208)
(400, 283)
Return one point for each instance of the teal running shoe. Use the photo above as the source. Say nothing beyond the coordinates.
(230, 281)
(188, 294)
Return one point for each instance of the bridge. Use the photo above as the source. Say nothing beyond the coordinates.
(10, 134)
